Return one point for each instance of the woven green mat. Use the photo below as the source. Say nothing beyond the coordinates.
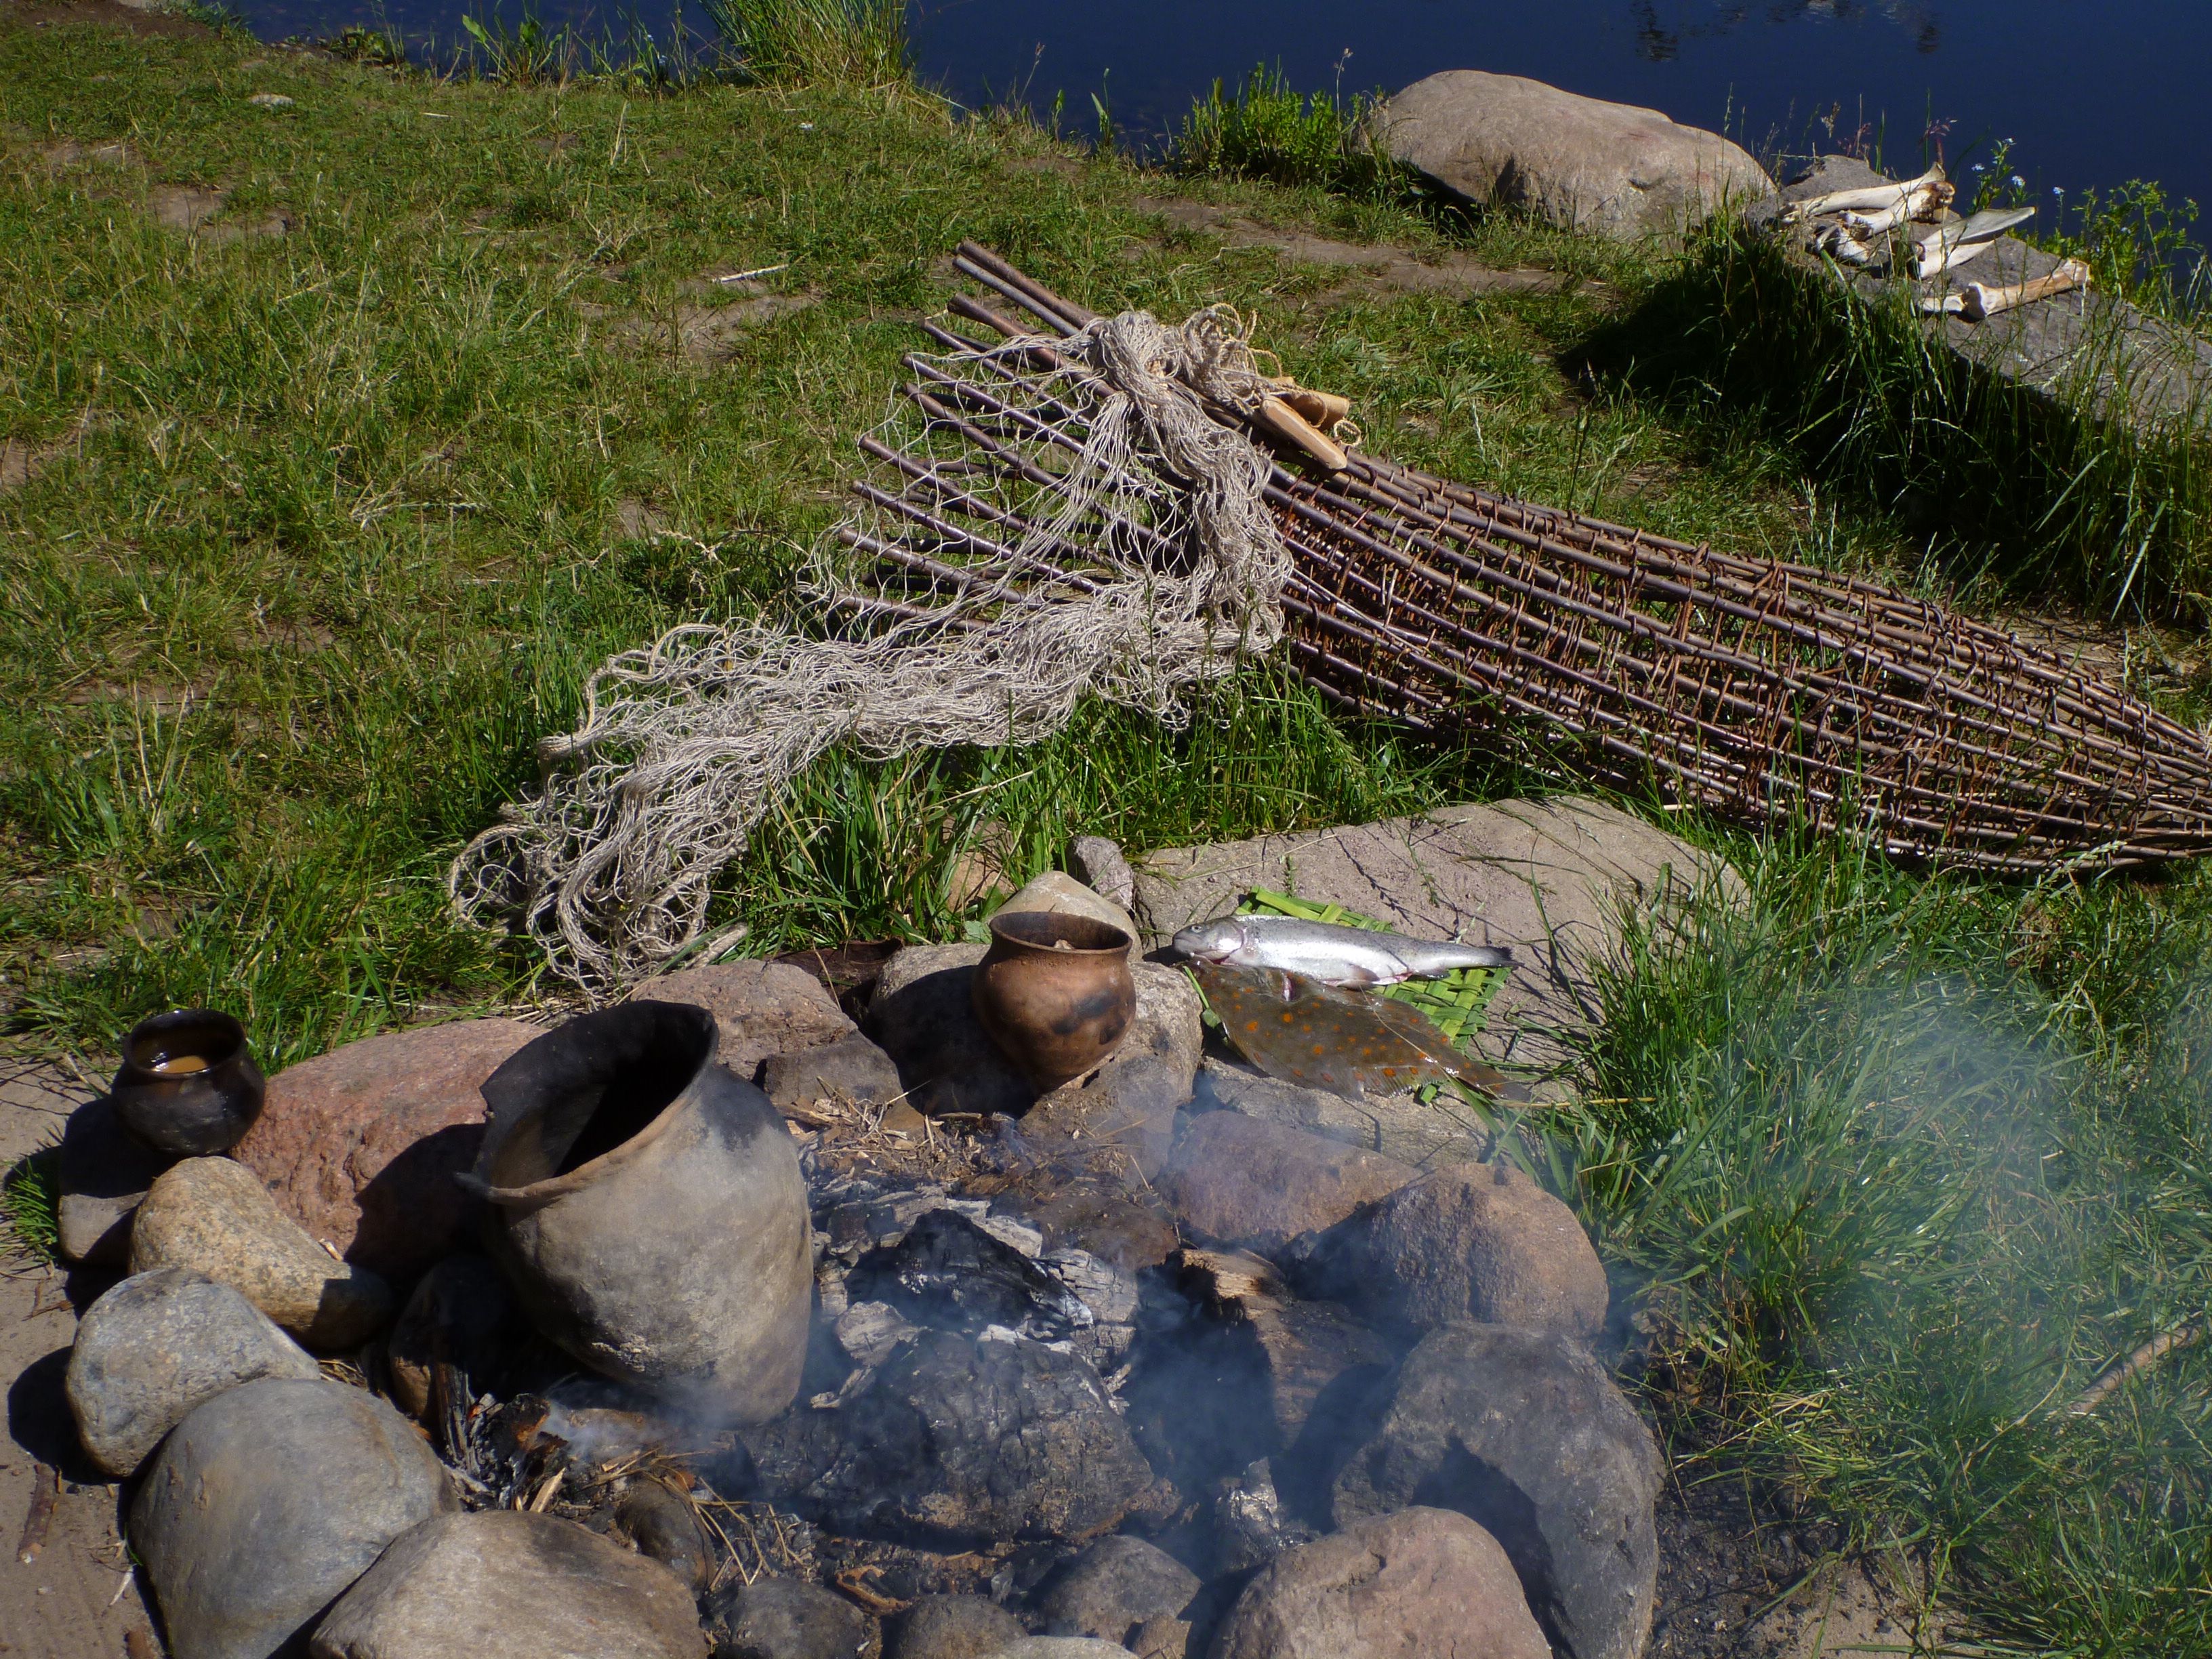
(1456, 1003)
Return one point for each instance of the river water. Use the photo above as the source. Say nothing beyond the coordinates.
(2091, 92)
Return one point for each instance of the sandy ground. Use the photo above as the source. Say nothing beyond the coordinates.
(74, 1600)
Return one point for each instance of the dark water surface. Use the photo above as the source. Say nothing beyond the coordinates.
(2092, 92)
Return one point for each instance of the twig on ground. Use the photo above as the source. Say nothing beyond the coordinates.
(2133, 1366)
(45, 1484)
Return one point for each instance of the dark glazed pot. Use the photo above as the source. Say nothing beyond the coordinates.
(186, 1085)
(650, 1212)
(1054, 992)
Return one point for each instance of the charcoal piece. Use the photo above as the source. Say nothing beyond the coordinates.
(1251, 1526)
(965, 1442)
(950, 1274)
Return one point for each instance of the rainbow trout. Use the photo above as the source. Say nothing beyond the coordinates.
(1332, 954)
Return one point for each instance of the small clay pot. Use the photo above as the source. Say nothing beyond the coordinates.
(1054, 992)
(186, 1085)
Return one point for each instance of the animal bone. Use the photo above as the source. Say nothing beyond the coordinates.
(1979, 300)
(1839, 245)
(1949, 246)
(1925, 205)
(1871, 199)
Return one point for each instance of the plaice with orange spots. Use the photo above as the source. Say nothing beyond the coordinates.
(1349, 1042)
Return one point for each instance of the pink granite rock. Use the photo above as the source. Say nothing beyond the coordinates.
(360, 1146)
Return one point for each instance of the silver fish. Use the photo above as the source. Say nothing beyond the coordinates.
(1332, 954)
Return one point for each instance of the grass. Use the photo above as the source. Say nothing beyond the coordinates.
(1266, 129)
(1905, 1164)
(326, 529)
(30, 1195)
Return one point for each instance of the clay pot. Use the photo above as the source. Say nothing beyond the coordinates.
(1054, 992)
(186, 1085)
(649, 1210)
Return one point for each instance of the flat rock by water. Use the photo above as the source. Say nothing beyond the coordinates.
(158, 1345)
(1582, 163)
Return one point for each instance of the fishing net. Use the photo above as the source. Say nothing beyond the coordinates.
(1041, 527)
(1073, 505)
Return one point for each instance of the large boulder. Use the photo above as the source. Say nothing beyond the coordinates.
(501, 1582)
(952, 1627)
(970, 1440)
(266, 1502)
(762, 1008)
(360, 1146)
(1553, 879)
(1523, 1432)
(1582, 163)
(1423, 1583)
(214, 1218)
(158, 1345)
(774, 1618)
(1239, 1181)
(1480, 1241)
(1113, 1587)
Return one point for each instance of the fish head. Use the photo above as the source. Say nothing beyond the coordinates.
(1211, 941)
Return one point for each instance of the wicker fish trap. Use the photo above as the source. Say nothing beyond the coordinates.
(1767, 692)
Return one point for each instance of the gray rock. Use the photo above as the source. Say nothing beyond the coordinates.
(157, 1347)
(1523, 1432)
(1099, 863)
(214, 1217)
(852, 1070)
(1250, 1527)
(504, 1582)
(1242, 1181)
(1581, 163)
(104, 1173)
(663, 1526)
(1113, 1586)
(971, 1441)
(1120, 1122)
(462, 1315)
(1551, 878)
(785, 1618)
(2124, 363)
(923, 1015)
(952, 1627)
(265, 1504)
(762, 1008)
(1400, 1126)
(1423, 1583)
(1479, 1242)
(1061, 1647)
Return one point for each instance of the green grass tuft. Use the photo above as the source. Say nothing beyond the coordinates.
(30, 1200)
(860, 43)
(1266, 129)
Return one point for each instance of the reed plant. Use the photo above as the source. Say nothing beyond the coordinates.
(1266, 129)
(832, 42)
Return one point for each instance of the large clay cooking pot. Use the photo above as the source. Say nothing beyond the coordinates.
(1054, 992)
(650, 1210)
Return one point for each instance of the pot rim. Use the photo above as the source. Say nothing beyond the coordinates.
(1118, 942)
(539, 1194)
(148, 1032)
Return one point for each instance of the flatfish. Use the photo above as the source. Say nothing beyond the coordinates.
(1325, 1038)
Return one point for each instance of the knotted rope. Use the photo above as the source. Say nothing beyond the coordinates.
(1124, 551)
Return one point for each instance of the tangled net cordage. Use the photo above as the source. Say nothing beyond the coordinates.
(1112, 538)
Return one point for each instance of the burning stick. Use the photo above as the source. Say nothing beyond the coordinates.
(1977, 302)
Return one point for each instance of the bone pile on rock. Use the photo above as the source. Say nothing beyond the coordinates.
(1139, 1367)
